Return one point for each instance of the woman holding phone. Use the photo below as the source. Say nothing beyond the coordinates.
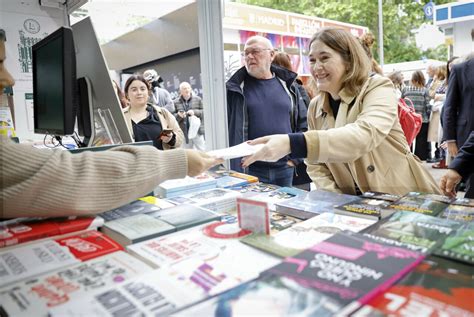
(148, 122)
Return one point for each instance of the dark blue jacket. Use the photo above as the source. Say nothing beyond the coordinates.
(237, 115)
(463, 163)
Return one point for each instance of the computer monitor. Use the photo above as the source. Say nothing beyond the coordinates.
(71, 80)
(54, 83)
(92, 66)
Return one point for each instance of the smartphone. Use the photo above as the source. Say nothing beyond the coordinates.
(165, 132)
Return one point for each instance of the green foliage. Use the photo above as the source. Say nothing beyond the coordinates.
(400, 18)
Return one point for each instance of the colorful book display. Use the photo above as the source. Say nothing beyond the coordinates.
(349, 268)
(459, 245)
(426, 204)
(413, 230)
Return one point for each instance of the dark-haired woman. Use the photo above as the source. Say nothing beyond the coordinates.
(148, 122)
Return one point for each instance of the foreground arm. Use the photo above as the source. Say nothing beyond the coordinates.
(57, 183)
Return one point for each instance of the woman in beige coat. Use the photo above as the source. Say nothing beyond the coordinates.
(355, 143)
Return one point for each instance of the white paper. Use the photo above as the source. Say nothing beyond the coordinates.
(236, 151)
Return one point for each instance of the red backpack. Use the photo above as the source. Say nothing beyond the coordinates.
(409, 119)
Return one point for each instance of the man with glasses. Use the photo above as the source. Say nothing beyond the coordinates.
(262, 100)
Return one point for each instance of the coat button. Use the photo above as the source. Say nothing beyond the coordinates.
(370, 168)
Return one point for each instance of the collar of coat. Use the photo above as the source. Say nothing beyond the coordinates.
(234, 83)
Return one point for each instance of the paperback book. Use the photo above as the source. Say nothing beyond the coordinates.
(220, 200)
(185, 216)
(181, 186)
(275, 196)
(313, 203)
(349, 268)
(231, 181)
(270, 295)
(381, 196)
(366, 208)
(26, 261)
(436, 287)
(35, 296)
(134, 208)
(459, 245)
(427, 204)
(35, 229)
(413, 230)
(136, 228)
(459, 213)
(306, 234)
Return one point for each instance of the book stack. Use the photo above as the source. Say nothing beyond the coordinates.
(182, 186)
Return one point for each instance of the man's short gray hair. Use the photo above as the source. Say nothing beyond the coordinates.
(259, 39)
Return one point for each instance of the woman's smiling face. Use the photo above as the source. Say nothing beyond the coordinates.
(327, 68)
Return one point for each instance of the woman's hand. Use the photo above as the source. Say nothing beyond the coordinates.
(199, 162)
(276, 147)
(166, 138)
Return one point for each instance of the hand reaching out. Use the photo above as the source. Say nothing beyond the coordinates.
(199, 162)
(448, 183)
(276, 147)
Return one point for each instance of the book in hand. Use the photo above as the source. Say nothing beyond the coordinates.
(365, 208)
(270, 295)
(134, 208)
(459, 245)
(181, 186)
(413, 230)
(146, 295)
(305, 234)
(436, 287)
(34, 229)
(136, 228)
(427, 204)
(35, 296)
(349, 268)
(220, 200)
(35, 258)
(185, 216)
(313, 203)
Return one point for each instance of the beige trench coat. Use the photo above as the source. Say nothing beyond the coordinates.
(167, 120)
(365, 145)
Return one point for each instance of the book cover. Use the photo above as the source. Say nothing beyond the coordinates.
(274, 196)
(247, 177)
(459, 212)
(270, 295)
(312, 203)
(463, 202)
(185, 216)
(365, 208)
(134, 208)
(255, 187)
(305, 234)
(380, 195)
(459, 245)
(253, 215)
(349, 268)
(231, 181)
(220, 200)
(280, 222)
(436, 287)
(145, 295)
(34, 229)
(413, 230)
(158, 202)
(136, 228)
(88, 245)
(34, 296)
(427, 204)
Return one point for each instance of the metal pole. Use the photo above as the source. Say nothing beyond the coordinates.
(381, 61)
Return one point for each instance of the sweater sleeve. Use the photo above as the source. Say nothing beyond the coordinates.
(57, 183)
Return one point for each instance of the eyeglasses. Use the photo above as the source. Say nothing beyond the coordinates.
(254, 51)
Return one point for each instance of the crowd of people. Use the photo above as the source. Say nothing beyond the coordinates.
(347, 138)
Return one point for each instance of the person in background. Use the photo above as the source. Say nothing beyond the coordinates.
(187, 106)
(436, 106)
(430, 71)
(121, 96)
(301, 178)
(461, 167)
(420, 98)
(355, 142)
(397, 79)
(367, 40)
(148, 122)
(52, 183)
(262, 99)
(159, 96)
(458, 115)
